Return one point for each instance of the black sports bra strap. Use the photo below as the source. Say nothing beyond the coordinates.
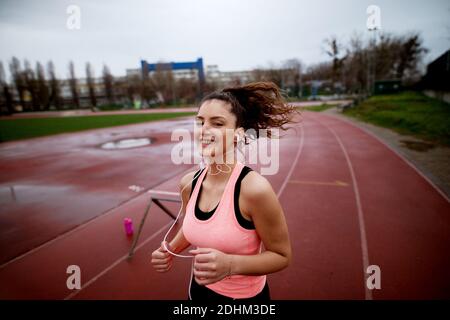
(246, 224)
(194, 181)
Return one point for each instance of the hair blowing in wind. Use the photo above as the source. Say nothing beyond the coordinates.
(257, 105)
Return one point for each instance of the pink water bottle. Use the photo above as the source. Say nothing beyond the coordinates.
(128, 223)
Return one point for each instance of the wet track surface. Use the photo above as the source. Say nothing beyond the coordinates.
(350, 202)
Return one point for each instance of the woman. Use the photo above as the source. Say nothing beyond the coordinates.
(231, 210)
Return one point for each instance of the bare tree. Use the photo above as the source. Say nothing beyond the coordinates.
(319, 71)
(42, 88)
(271, 73)
(410, 55)
(73, 82)
(91, 84)
(210, 85)
(390, 57)
(31, 85)
(334, 50)
(355, 67)
(108, 82)
(163, 83)
(259, 74)
(386, 51)
(17, 76)
(187, 90)
(147, 89)
(132, 87)
(292, 69)
(7, 100)
(55, 89)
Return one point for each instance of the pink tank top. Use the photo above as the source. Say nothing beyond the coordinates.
(223, 232)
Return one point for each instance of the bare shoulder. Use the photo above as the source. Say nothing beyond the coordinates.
(255, 186)
(186, 179)
(185, 184)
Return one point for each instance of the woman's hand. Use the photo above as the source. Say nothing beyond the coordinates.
(211, 265)
(161, 259)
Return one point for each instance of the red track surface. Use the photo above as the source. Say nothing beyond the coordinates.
(349, 200)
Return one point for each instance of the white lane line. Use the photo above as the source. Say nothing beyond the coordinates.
(114, 264)
(401, 156)
(299, 151)
(362, 228)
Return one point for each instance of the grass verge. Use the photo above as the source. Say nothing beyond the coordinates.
(409, 113)
(16, 129)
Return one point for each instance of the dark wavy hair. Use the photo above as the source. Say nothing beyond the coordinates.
(257, 105)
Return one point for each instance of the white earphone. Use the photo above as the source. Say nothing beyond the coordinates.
(202, 166)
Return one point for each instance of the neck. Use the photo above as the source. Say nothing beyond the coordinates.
(219, 172)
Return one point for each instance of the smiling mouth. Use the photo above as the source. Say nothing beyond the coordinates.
(206, 142)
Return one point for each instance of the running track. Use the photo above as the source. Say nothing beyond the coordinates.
(349, 200)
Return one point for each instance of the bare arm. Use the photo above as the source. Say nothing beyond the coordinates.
(161, 259)
(270, 223)
(179, 242)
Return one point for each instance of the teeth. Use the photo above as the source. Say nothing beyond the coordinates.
(207, 141)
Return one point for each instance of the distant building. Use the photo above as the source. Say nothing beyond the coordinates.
(177, 74)
(436, 82)
(224, 78)
(212, 74)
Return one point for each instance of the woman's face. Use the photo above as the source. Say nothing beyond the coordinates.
(214, 131)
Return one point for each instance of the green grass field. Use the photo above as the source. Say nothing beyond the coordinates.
(410, 113)
(16, 129)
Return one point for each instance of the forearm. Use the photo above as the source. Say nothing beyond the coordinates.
(179, 242)
(259, 264)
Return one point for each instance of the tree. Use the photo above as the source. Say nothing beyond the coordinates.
(74, 85)
(147, 88)
(42, 88)
(386, 51)
(390, 57)
(7, 97)
(108, 81)
(55, 89)
(18, 80)
(354, 70)
(187, 90)
(271, 73)
(132, 87)
(411, 52)
(334, 50)
(162, 83)
(91, 84)
(31, 85)
(319, 71)
(293, 74)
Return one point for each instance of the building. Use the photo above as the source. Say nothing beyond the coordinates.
(436, 82)
(224, 78)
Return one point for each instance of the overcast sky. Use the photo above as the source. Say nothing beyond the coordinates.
(234, 34)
